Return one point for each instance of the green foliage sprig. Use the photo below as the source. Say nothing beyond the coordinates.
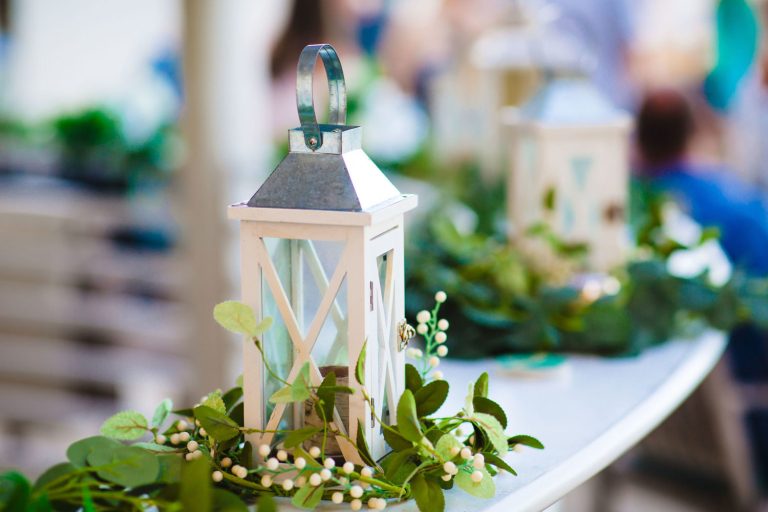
(198, 459)
(527, 297)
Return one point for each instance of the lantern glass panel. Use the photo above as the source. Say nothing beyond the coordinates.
(315, 290)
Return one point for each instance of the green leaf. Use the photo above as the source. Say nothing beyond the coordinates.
(485, 488)
(195, 494)
(492, 429)
(481, 385)
(215, 402)
(161, 412)
(218, 425)
(308, 497)
(15, 492)
(296, 437)
(78, 452)
(398, 466)
(232, 397)
(431, 397)
(237, 414)
(428, 494)
(497, 461)
(362, 446)
(125, 425)
(395, 440)
(327, 397)
(225, 501)
(239, 318)
(444, 445)
(126, 466)
(297, 391)
(407, 418)
(525, 441)
(360, 366)
(53, 473)
(266, 504)
(170, 468)
(488, 406)
(156, 448)
(413, 380)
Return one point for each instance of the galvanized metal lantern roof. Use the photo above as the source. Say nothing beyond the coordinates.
(326, 168)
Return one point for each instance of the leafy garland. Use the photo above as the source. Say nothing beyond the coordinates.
(200, 460)
(527, 297)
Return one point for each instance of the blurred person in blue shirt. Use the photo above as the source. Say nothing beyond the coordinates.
(713, 196)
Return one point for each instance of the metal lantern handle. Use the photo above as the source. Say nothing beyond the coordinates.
(337, 91)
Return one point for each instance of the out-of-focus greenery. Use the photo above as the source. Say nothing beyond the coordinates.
(91, 148)
(525, 297)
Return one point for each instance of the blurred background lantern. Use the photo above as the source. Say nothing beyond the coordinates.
(322, 254)
(569, 165)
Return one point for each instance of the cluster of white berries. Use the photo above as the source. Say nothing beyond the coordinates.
(433, 331)
(271, 467)
(476, 461)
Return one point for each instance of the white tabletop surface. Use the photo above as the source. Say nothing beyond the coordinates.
(586, 416)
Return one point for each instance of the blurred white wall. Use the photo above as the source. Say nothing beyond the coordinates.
(67, 54)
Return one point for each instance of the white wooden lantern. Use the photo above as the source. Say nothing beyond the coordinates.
(322, 253)
(569, 140)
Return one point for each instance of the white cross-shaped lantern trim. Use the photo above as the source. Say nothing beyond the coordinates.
(373, 307)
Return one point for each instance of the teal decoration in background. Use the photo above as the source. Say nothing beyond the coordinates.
(580, 166)
(736, 48)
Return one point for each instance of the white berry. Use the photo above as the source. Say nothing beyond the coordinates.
(226, 462)
(440, 297)
(266, 481)
(373, 503)
(282, 455)
(314, 451)
(264, 450)
(325, 474)
(443, 324)
(446, 477)
(300, 481)
(203, 432)
(479, 461)
(442, 351)
(450, 468)
(355, 504)
(423, 317)
(434, 361)
(175, 439)
(192, 446)
(217, 476)
(440, 337)
(160, 439)
(329, 463)
(476, 476)
(355, 491)
(348, 467)
(466, 453)
(315, 480)
(300, 462)
(421, 329)
(182, 425)
(288, 484)
(437, 375)
(184, 437)
(272, 463)
(189, 456)
(337, 497)
(455, 451)
(366, 472)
